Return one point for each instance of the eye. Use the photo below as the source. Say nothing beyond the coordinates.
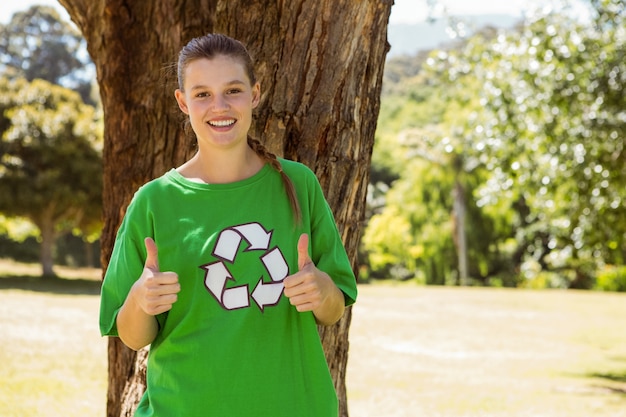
(202, 94)
(233, 91)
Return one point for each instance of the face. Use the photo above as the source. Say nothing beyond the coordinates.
(218, 99)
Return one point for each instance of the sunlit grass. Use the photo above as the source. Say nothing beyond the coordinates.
(451, 352)
(414, 351)
(53, 359)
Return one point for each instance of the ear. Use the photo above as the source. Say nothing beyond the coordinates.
(182, 102)
(256, 95)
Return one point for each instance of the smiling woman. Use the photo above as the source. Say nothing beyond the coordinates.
(219, 97)
(184, 277)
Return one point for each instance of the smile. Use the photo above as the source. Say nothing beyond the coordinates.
(222, 123)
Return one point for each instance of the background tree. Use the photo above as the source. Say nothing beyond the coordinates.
(555, 128)
(50, 165)
(539, 115)
(320, 66)
(37, 43)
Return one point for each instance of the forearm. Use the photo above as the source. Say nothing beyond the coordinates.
(135, 327)
(332, 308)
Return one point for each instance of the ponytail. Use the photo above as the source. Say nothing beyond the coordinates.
(270, 158)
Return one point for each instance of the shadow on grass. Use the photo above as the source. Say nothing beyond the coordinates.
(53, 285)
(611, 376)
(615, 381)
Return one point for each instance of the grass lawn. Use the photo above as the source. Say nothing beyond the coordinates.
(53, 359)
(486, 352)
(414, 351)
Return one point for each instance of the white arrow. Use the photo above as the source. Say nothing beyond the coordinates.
(215, 279)
(255, 235)
(226, 248)
(275, 264)
(227, 245)
(267, 294)
(236, 297)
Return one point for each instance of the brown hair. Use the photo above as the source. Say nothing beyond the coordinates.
(215, 44)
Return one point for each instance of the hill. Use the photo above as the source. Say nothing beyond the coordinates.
(409, 39)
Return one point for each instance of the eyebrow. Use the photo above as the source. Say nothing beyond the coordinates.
(228, 84)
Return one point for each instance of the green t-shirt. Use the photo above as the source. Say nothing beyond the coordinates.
(232, 345)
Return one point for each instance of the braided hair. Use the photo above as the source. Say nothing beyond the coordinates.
(214, 44)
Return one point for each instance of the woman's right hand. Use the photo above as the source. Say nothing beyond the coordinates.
(155, 292)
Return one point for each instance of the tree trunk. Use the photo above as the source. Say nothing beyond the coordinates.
(320, 64)
(89, 258)
(46, 223)
(460, 238)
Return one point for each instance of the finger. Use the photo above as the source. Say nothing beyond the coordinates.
(158, 309)
(303, 299)
(152, 258)
(293, 284)
(164, 290)
(303, 251)
(304, 307)
(166, 279)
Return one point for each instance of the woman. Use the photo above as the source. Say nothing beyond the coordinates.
(225, 265)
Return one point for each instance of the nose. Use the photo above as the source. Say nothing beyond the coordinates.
(219, 103)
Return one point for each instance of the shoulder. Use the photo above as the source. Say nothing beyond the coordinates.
(297, 171)
(157, 185)
(152, 190)
(305, 182)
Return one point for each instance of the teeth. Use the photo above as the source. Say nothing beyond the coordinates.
(222, 123)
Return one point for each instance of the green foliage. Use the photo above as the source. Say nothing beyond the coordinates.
(50, 141)
(611, 278)
(389, 236)
(529, 127)
(17, 228)
(50, 157)
(552, 127)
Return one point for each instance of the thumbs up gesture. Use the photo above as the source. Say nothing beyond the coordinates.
(155, 292)
(310, 289)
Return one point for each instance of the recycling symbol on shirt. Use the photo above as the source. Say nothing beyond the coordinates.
(217, 274)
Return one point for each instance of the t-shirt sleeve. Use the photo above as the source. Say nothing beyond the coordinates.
(124, 269)
(328, 251)
(126, 263)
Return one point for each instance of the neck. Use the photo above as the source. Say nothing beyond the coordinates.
(222, 167)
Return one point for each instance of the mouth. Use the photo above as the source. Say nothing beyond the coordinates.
(222, 123)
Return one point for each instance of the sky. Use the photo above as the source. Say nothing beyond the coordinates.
(413, 11)
(9, 7)
(403, 11)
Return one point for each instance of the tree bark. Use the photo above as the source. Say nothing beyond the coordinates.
(89, 258)
(460, 238)
(48, 237)
(320, 64)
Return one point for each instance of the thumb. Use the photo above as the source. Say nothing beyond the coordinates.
(152, 258)
(303, 251)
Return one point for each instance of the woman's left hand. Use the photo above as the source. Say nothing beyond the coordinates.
(310, 289)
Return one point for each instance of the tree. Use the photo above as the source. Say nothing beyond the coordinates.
(537, 115)
(553, 123)
(436, 176)
(320, 65)
(50, 167)
(37, 43)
